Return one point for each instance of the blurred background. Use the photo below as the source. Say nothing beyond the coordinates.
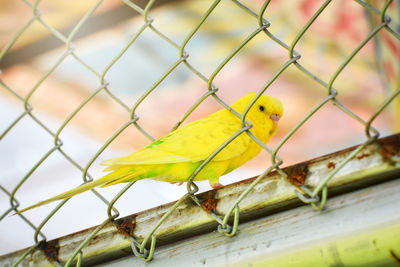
(39, 72)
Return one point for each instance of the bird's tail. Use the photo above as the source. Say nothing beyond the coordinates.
(119, 174)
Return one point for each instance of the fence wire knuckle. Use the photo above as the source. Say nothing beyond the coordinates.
(228, 223)
(224, 227)
(137, 253)
(226, 230)
(140, 251)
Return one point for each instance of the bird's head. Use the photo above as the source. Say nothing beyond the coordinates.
(264, 114)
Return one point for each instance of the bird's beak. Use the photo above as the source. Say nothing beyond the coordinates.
(274, 117)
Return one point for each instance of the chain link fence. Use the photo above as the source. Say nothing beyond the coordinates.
(317, 196)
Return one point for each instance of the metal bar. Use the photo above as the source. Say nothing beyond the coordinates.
(364, 230)
(373, 165)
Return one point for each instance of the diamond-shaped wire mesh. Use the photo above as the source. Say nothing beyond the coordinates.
(261, 22)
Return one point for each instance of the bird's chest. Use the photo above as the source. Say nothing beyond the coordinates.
(252, 149)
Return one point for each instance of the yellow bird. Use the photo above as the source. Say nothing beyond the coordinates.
(174, 157)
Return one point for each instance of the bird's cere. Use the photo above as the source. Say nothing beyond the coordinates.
(274, 117)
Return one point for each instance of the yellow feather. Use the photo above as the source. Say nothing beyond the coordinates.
(174, 157)
(69, 193)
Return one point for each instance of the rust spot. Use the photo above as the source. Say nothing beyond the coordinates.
(208, 201)
(363, 155)
(297, 173)
(395, 257)
(50, 249)
(331, 165)
(209, 204)
(126, 225)
(171, 252)
(390, 146)
(96, 239)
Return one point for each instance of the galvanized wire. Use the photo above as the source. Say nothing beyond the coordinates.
(317, 196)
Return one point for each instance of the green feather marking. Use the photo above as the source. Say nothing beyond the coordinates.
(156, 143)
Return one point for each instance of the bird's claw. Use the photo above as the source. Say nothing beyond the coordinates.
(216, 185)
(180, 183)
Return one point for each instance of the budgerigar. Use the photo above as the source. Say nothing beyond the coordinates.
(174, 157)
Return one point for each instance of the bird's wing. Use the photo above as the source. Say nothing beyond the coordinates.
(192, 143)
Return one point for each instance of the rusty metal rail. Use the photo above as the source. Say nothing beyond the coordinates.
(364, 230)
(375, 164)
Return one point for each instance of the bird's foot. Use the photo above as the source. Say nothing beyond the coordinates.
(180, 183)
(216, 185)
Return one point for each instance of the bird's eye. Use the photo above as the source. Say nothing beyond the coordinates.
(261, 107)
